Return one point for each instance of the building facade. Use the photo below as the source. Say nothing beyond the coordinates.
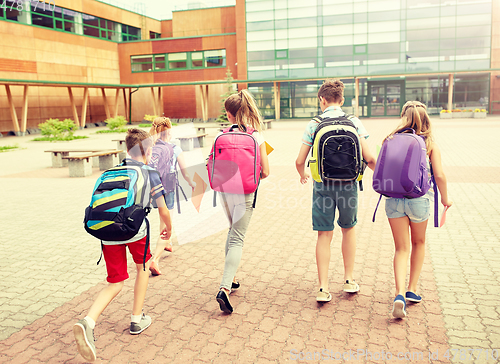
(86, 60)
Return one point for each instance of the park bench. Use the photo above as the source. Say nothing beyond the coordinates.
(59, 154)
(81, 165)
(187, 141)
(267, 124)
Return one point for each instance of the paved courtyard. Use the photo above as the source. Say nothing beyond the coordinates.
(50, 278)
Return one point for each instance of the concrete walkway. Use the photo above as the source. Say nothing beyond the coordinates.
(50, 278)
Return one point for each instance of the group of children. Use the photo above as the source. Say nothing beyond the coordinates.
(407, 217)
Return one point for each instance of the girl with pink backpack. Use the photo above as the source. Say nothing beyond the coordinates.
(235, 166)
(408, 216)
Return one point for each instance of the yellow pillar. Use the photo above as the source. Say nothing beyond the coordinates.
(277, 100)
(73, 107)
(356, 96)
(25, 110)
(13, 115)
(84, 106)
(106, 105)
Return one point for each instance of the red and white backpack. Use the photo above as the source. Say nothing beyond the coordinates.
(234, 162)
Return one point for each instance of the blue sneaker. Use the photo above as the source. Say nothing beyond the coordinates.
(399, 307)
(413, 297)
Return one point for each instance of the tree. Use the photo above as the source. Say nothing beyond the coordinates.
(229, 91)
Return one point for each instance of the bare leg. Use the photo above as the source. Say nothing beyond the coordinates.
(323, 257)
(140, 288)
(348, 251)
(161, 244)
(417, 253)
(103, 299)
(401, 234)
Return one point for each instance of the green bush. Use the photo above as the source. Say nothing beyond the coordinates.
(150, 118)
(54, 129)
(116, 123)
(8, 147)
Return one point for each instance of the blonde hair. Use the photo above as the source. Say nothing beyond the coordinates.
(244, 108)
(160, 127)
(414, 115)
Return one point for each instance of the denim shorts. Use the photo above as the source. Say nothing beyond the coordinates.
(417, 209)
(169, 200)
(328, 198)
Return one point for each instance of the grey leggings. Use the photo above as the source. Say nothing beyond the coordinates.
(238, 209)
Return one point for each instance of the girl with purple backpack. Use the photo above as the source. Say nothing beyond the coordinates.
(243, 113)
(408, 217)
(164, 159)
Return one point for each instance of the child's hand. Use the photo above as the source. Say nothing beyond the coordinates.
(304, 179)
(446, 202)
(166, 233)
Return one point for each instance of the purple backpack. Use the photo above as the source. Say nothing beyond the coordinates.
(401, 170)
(162, 159)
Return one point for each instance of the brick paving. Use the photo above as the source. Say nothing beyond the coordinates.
(49, 276)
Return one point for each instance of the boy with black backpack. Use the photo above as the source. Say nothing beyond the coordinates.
(339, 155)
(132, 180)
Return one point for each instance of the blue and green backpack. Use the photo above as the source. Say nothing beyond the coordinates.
(120, 202)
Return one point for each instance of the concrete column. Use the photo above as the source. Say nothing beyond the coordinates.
(356, 97)
(450, 91)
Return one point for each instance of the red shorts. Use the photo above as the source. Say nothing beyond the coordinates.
(116, 258)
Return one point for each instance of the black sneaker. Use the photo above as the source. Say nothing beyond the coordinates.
(84, 337)
(235, 285)
(137, 328)
(224, 303)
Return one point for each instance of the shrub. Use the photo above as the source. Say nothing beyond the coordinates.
(445, 111)
(8, 147)
(117, 123)
(58, 130)
(150, 118)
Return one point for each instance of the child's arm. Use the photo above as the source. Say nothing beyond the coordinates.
(300, 163)
(367, 154)
(439, 176)
(184, 172)
(264, 161)
(165, 217)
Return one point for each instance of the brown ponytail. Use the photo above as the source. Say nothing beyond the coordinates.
(244, 108)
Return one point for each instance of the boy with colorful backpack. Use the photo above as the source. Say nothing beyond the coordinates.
(117, 216)
(339, 155)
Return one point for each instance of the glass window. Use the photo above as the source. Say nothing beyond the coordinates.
(429, 23)
(69, 14)
(383, 15)
(160, 63)
(282, 53)
(474, 31)
(90, 20)
(478, 8)
(360, 49)
(142, 63)
(258, 56)
(43, 21)
(177, 60)
(215, 58)
(447, 33)
(383, 48)
(422, 34)
(196, 59)
(261, 25)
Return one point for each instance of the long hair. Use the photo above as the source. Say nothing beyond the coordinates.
(160, 127)
(414, 115)
(242, 105)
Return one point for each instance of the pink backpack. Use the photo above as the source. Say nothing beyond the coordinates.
(234, 162)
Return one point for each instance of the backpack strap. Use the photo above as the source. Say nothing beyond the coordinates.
(101, 253)
(375, 212)
(436, 193)
(147, 244)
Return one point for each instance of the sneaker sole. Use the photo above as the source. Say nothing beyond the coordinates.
(82, 344)
(398, 309)
(223, 306)
(351, 290)
(324, 299)
(138, 332)
(413, 300)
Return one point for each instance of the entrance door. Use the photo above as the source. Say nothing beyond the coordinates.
(385, 98)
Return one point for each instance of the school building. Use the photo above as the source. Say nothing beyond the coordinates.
(88, 61)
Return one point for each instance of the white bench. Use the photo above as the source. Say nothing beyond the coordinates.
(81, 165)
(58, 155)
(187, 142)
